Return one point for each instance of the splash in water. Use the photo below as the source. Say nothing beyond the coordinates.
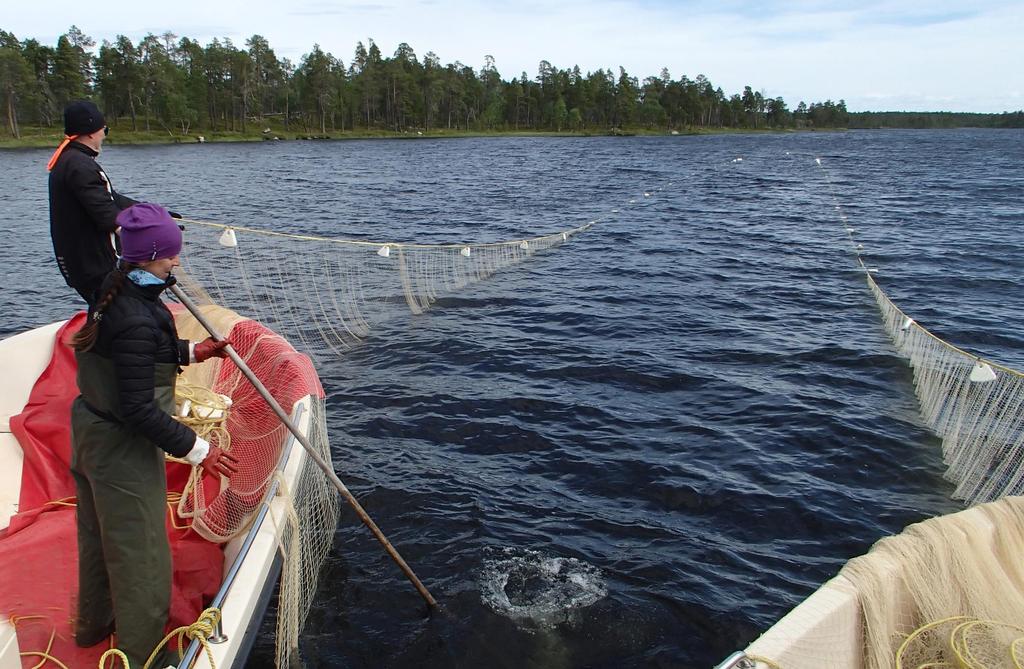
(527, 585)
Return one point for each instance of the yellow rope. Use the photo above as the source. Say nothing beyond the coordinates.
(113, 662)
(207, 413)
(1017, 652)
(46, 658)
(49, 646)
(173, 499)
(957, 641)
(201, 629)
(114, 652)
(45, 655)
(963, 649)
(918, 632)
(771, 664)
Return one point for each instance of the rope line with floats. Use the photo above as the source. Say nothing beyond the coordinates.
(975, 405)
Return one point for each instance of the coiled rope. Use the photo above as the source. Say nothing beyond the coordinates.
(972, 642)
(204, 411)
(201, 629)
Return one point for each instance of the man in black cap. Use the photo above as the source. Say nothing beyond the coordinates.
(83, 203)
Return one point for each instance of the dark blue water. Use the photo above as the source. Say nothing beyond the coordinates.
(640, 448)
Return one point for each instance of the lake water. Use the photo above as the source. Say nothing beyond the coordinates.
(640, 448)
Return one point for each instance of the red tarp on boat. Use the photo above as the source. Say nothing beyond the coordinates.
(38, 550)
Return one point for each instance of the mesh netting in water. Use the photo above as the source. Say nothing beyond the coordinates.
(947, 592)
(326, 294)
(976, 406)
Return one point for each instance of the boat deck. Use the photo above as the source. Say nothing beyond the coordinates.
(249, 560)
(23, 358)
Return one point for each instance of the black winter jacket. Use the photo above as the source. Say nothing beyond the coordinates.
(135, 332)
(83, 212)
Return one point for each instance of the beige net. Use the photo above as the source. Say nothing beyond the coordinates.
(273, 469)
(975, 405)
(326, 294)
(947, 592)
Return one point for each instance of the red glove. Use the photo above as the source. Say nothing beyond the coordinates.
(210, 348)
(219, 462)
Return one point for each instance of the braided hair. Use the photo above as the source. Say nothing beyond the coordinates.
(85, 338)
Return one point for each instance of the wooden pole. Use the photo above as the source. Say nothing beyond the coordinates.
(301, 438)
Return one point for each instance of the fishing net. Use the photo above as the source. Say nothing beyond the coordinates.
(961, 642)
(947, 592)
(217, 399)
(975, 405)
(325, 294)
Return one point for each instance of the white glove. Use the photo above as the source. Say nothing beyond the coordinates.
(199, 451)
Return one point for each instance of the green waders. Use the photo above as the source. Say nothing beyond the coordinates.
(124, 557)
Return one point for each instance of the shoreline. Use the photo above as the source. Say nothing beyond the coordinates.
(50, 138)
(40, 138)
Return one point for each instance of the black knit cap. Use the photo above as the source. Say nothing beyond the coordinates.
(82, 117)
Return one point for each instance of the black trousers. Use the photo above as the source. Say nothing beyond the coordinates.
(124, 557)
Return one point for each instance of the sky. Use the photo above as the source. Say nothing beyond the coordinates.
(941, 55)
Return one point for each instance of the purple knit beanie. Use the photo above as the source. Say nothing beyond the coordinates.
(148, 233)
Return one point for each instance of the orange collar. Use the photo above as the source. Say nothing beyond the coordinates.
(60, 149)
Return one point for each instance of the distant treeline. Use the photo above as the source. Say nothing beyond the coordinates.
(936, 120)
(180, 86)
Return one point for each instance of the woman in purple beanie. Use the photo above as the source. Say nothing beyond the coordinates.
(128, 356)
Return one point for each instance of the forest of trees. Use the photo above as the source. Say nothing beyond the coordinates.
(181, 86)
(178, 86)
(936, 120)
